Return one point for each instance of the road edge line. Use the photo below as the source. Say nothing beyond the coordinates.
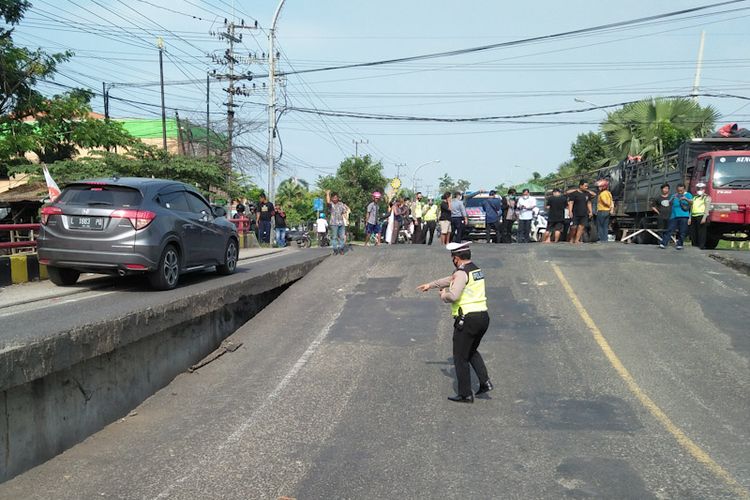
(682, 439)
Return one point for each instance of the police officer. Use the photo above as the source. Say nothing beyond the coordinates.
(464, 290)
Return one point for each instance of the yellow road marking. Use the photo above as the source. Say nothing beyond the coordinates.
(688, 444)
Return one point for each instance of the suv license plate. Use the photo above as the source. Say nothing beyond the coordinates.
(91, 223)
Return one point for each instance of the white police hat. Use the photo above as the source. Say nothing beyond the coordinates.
(457, 247)
(701, 185)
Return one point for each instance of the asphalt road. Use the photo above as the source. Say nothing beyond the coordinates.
(620, 372)
(48, 311)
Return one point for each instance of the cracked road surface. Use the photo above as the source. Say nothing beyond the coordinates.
(339, 389)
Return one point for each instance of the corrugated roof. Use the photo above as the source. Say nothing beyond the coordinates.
(36, 191)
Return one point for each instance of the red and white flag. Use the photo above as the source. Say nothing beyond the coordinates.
(52, 188)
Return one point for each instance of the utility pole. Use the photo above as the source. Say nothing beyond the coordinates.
(356, 145)
(230, 100)
(208, 114)
(272, 103)
(105, 96)
(231, 36)
(160, 44)
(180, 140)
(398, 169)
(699, 67)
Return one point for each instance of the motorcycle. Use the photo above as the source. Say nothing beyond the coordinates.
(298, 236)
(538, 225)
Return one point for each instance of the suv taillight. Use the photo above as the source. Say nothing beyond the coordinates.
(47, 211)
(138, 218)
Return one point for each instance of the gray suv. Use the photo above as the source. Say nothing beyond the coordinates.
(156, 227)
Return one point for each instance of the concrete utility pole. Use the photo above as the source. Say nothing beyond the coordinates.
(699, 67)
(272, 103)
(160, 44)
(230, 35)
(208, 113)
(230, 100)
(356, 145)
(105, 96)
(398, 169)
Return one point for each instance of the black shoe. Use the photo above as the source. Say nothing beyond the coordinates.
(484, 388)
(461, 399)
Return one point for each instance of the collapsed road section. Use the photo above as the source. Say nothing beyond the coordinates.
(68, 368)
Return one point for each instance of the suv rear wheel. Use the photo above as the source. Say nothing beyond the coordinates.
(61, 276)
(230, 258)
(168, 271)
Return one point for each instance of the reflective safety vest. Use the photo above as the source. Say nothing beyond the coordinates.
(473, 298)
(699, 206)
(431, 213)
(418, 206)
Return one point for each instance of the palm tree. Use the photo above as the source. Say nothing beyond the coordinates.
(656, 126)
(292, 190)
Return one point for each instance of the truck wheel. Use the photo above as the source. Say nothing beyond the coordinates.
(644, 238)
(712, 241)
(167, 273)
(61, 276)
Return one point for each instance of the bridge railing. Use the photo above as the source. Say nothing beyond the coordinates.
(22, 237)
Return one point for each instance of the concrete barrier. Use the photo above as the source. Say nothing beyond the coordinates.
(58, 391)
(21, 268)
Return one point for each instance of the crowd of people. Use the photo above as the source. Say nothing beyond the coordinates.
(259, 218)
(418, 221)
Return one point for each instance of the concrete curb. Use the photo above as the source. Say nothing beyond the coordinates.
(736, 264)
(20, 364)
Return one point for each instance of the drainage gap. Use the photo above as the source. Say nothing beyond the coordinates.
(116, 382)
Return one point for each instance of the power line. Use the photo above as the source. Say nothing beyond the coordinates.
(513, 43)
(173, 11)
(490, 119)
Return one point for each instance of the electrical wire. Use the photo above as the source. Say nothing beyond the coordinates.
(513, 43)
(372, 116)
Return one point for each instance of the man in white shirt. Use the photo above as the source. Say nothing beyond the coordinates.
(321, 227)
(525, 206)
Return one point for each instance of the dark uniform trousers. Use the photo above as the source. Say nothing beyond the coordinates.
(466, 340)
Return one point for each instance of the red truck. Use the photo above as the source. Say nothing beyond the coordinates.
(723, 164)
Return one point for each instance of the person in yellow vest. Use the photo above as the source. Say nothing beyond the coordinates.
(699, 216)
(464, 291)
(417, 215)
(430, 220)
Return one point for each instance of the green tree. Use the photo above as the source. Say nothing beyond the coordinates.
(462, 185)
(295, 197)
(654, 127)
(589, 152)
(141, 161)
(63, 125)
(21, 68)
(355, 180)
(446, 183)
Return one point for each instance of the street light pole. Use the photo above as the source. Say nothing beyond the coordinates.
(584, 101)
(414, 176)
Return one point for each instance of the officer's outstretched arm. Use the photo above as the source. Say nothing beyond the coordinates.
(439, 284)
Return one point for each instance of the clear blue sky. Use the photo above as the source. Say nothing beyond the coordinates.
(115, 43)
